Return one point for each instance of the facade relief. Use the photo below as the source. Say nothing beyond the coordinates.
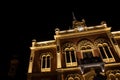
(82, 53)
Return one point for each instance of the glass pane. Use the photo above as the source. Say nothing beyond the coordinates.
(108, 52)
(87, 54)
(73, 56)
(102, 52)
(68, 56)
(84, 55)
(43, 63)
(48, 61)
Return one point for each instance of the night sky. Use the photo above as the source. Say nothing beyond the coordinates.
(21, 24)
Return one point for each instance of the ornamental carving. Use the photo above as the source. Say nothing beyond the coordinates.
(47, 53)
(74, 77)
(68, 45)
(100, 41)
(85, 43)
(113, 74)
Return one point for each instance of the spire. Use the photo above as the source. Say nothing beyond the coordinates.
(74, 18)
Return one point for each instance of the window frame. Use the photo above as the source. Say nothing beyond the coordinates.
(46, 69)
(71, 63)
(86, 50)
(107, 59)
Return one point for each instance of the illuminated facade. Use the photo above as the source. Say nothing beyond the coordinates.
(81, 53)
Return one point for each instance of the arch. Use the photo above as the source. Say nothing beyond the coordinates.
(46, 61)
(111, 76)
(72, 48)
(117, 75)
(83, 48)
(70, 78)
(86, 47)
(68, 44)
(100, 40)
(77, 78)
(104, 49)
(70, 54)
(46, 54)
(74, 77)
(85, 42)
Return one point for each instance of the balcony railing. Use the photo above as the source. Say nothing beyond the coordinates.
(91, 63)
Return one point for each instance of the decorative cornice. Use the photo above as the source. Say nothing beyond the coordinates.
(83, 33)
(43, 47)
(116, 34)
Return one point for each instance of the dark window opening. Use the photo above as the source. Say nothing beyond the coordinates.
(87, 54)
(108, 52)
(43, 63)
(68, 56)
(102, 52)
(48, 61)
(73, 56)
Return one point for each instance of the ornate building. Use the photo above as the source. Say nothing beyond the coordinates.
(81, 53)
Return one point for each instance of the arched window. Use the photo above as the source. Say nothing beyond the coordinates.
(107, 49)
(70, 57)
(102, 51)
(48, 61)
(86, 48)
(73, 55)
(105, 52)
(45, 63)
(87, 52)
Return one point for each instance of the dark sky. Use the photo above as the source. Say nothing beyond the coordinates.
(21, 24)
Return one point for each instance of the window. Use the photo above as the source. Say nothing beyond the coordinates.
(45, 63)
(106, 53)
(70, 57)
(87, 52)
(102, 52)
(85, 46)
(73, 56)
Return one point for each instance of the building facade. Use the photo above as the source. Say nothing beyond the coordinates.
(81, 53)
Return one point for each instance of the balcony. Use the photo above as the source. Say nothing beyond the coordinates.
(93, 62)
